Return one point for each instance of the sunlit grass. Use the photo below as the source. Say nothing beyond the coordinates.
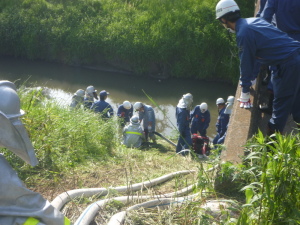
(77, 149)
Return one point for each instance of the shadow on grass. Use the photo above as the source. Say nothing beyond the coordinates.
(149, 146)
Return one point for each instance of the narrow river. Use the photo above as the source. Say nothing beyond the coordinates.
(65, 80)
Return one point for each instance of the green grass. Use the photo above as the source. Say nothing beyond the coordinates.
(63, 138)
(77, 149)
(175, 38)
(273, 190)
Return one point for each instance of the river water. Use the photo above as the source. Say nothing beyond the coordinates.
(65, 80)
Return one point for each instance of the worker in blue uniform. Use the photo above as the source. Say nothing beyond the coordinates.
(183, 122)
(287, 16)
(227, 113)
(147, 115)
(258, 39)
(103, 107)
(200, 118)
(222, 122)
(90, 97)
(258, 68)
(125, 112)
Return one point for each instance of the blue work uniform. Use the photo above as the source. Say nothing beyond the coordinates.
(257, 65)
(200, 121)
(288, 20)
(126, 114)
(183, 125)
(221, 126)
(88, 101)
(259, 40)
(148, 116)
(104, 108)
(222, 139)
(287, 14)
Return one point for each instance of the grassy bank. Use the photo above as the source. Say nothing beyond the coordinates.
(77, 149)
(171, 38)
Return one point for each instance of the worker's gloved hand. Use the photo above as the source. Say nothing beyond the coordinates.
(245, 100)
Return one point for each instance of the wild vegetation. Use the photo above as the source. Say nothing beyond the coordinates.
(176, 38)
(77, 149)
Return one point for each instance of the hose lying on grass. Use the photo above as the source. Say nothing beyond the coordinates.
(65, 197)
(161, 200)
(214, 205)
(89, 213)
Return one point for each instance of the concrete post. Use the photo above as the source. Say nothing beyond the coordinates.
(243, 124)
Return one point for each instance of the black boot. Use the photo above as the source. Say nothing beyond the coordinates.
(265, 109)
(268, 108)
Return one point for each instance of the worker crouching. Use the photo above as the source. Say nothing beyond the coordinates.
(133, 134)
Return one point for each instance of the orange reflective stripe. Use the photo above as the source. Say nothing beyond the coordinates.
(67, 221)
(31, 221)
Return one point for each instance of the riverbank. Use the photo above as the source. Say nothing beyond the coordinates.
(181, 39)
(78, 150)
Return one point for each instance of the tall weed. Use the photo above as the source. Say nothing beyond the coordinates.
(62, 137)
(273, 192)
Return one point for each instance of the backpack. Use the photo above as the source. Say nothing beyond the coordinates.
(200, 144)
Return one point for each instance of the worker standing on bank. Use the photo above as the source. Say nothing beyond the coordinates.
(183, 122)
(19, 205)
(125, 112)
(222, 122)
(258, 39)
(227, 111)
(147, 115)
(200, 118)
(90, 96)
(287, 17)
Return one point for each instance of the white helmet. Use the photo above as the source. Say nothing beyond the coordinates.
(127, 105)
(220, 101)
(226, 6)
(134, 119)
(230, 99)
(10, 101)
(90, 89)
(13, 134)
(203, 107)
(137, 105)
(80, 92)
(188, 99)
